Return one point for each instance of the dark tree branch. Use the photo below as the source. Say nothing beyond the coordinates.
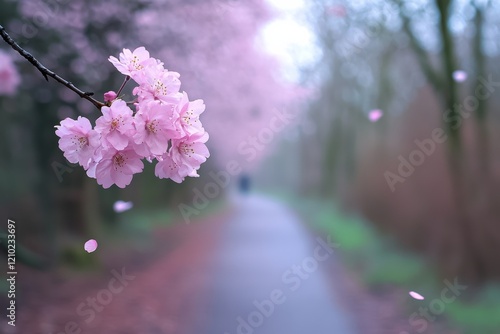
(449, 64)
(422, 57)
(46, 72)
(478, 53)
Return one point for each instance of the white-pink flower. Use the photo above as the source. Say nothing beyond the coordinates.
(154, 126)
(116, 125)
(189, 115)
(159, 85)
(190, 151)
(77, 140)
(131, 62)
(118, 167)
(9, 77)
(167, 168)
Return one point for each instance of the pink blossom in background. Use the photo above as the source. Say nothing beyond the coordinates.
(90, 246)
(121, 206)
(375, 115)
(77, 140)
(9, 77)
(416, 295)
(459, 76)
(337, 10)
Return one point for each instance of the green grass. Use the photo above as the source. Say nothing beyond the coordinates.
(482, 315)
(380, 261)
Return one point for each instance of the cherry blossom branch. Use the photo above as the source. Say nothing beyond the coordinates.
(46, 72)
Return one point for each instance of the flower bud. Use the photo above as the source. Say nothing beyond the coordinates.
(109, 96)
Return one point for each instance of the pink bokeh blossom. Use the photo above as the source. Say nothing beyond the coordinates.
(9, 77)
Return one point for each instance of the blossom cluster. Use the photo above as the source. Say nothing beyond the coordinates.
(164, 127)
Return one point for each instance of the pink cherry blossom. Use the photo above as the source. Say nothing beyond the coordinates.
(459, 76)
(77, 140)
(166, 127)
(168, 168)
(131, 62)
(118, 167)
(9, 77)
(121, 206)
(90, 246)
(159, 85)
(190, 151)
(154, 126)
(375, 115)
(116, 125)
(416, 295)
(189, 115)
(151, 68)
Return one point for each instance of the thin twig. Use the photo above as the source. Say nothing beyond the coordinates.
(46, 72)
(127, 78)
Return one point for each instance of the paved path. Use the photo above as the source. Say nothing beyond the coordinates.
(254, 288)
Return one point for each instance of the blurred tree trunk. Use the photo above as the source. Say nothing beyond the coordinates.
(471, 263)
(469, 260)
(482, 107)
(44, 188)
(90, 205)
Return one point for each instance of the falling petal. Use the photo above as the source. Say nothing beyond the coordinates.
(375, 115)
(121, 206)
(415, 295)
(90, 246)
(459, 76)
